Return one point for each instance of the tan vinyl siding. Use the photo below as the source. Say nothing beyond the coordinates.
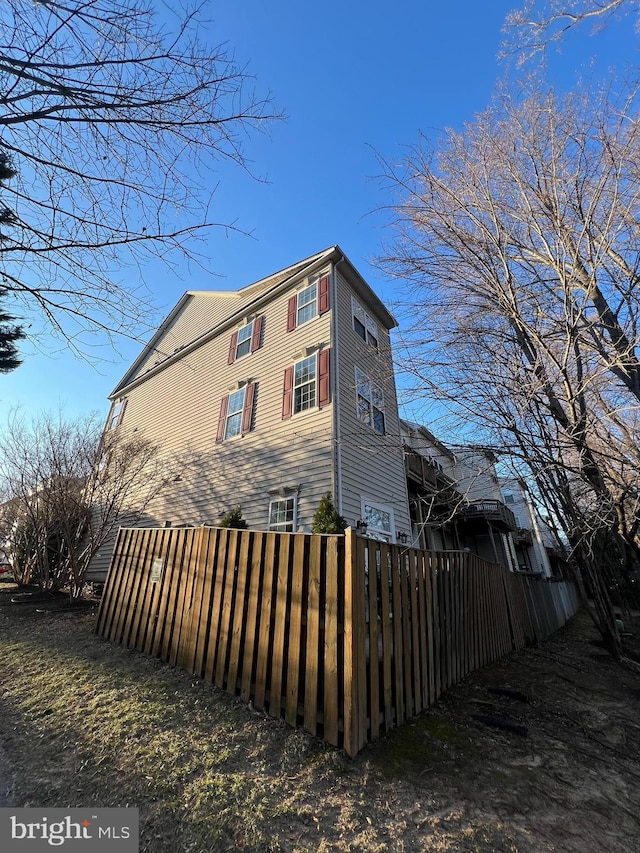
(200, 313)
(372, 465)
(178, 409)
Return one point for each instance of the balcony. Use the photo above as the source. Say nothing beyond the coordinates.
(420, 469)
(524, 536)
(493, 512)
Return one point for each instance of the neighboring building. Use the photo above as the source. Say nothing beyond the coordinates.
(455, 499)
(538, 549)
(269, 397)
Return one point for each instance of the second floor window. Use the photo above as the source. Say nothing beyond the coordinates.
(369, 402)
(307, 384)
(235, 408)
(304, 384)
(236, 413)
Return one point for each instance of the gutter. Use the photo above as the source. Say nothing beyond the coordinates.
(337, 420)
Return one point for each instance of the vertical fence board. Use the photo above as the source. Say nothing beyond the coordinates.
(280, 627)
(298, 591)
(423, 623)
(386, 628)
(264, 642)
(331, 640)
(375, 562)
(140, 594)
(313, 639)
(253, 607)
(415, 627)
(184, 598)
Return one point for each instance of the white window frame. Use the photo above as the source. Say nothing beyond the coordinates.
(298, 386)
(116, 414)
(303, 312)
(376, 532)
(369, 333)
(370, 408)
(233, 418)
(245, 335)
(286, 526)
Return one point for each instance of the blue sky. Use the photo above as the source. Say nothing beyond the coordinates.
(353, 78)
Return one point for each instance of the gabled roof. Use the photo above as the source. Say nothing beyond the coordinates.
(233, 304)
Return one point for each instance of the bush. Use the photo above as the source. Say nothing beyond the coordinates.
(233, 518)
(326, 518)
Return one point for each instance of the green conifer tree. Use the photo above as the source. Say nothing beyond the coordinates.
(234, 519)
(326, 518)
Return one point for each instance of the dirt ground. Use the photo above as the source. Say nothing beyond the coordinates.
(84, 722)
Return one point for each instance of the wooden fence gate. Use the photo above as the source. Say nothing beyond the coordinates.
(346, 636)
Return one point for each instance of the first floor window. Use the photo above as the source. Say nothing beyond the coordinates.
(282, 514)
(369, 402)
(379, 518)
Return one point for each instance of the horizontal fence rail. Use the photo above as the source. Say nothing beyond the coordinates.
(345, 636)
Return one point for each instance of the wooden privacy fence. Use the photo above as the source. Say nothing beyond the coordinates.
(345, 636)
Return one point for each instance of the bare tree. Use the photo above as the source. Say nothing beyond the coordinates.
(520, 236)
(64, 489)
(114, 114)
(538, 25)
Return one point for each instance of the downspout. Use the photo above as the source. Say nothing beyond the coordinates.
(335, 374)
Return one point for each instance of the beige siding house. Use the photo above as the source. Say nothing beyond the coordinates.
(268, 397)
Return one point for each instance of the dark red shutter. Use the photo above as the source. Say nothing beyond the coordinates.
(323, 295)
(255, 334)
(247, 411)
(123, 409)
(324, 385)
(287, 396)
(292, 312)
(224, 407)
(232, 348)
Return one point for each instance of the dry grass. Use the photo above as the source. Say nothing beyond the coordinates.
(84, 722)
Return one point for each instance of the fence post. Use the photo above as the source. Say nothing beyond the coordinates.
(353, 628)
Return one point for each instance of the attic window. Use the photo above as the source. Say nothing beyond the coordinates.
(363, 325)
(117, 413)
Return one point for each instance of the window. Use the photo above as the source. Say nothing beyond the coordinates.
(306, 384)
(307, 304)
(509, 499)
(379, 518)
(235, 408)
(312, 301)
(364, 325)
(245, 340)
(236, 413)
(116, 414)
(282, 514)
(369, 402)
(243, 344)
